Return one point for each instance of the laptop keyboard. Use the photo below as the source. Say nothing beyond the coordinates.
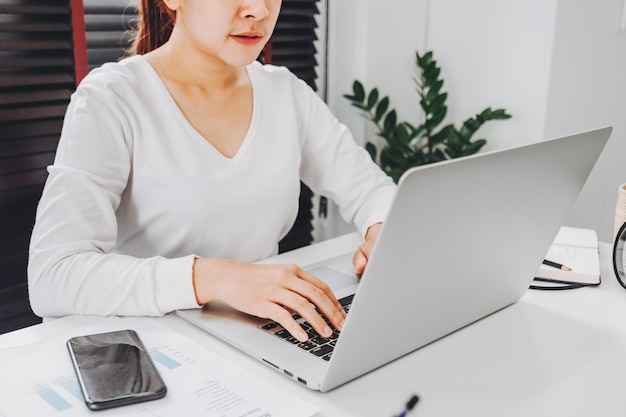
(317, 345)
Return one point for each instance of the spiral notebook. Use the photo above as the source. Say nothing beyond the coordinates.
(576, 249)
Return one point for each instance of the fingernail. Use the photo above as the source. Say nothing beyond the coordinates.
(327, 331)
(341, 324)
(302, 336)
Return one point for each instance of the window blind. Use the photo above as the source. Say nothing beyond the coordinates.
(293, 46)
(293, 41)
(109, 25)
(36, 81)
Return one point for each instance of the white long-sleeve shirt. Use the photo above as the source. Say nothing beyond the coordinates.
(135, 192)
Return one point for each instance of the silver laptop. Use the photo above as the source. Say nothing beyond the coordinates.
(463, 240)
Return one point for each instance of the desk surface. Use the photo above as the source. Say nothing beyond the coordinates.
(554, 353)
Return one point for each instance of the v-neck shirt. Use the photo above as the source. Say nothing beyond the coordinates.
(136, 193)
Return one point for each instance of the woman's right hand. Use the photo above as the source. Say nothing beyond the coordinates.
(269, 291)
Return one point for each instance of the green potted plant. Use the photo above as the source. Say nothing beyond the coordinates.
(407, 145)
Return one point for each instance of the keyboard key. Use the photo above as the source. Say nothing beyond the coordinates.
(319, 340)
(292, 340)
(306, 345)
(322, 350)
(283, 334)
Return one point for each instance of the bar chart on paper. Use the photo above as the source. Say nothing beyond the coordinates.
(63, 393)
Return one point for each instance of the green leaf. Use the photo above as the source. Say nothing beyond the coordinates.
(418, 59)
(416, 135)
(402, 135)
(391, 160)
(470, 126)
(433, 93)
(435, 88)
(372, 99)
(439, 101)
(438, 155)
(498, 114)
(431, 75)
(390, 122)
(394, 154)
(416, 159)
(474, 147)
(436, 118)
(381, 109)
(359, 91)
(371, 149)
(434, 109)
(425, 59)
(443, 135)
(359, 105)
(453, 139)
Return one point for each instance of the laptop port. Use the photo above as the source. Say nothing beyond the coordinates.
(302, 381)
(268, 362)
(288, 373)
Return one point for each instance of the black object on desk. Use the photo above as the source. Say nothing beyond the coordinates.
(409, 405)
(618, 256)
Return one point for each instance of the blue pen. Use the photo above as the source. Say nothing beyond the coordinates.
(409, 406)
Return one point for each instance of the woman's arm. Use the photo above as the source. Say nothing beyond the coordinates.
(72, 269)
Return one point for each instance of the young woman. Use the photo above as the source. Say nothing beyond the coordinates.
(180, 165)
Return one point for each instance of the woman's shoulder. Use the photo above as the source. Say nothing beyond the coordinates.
(280, 84)
(129, 74)
(269, 73)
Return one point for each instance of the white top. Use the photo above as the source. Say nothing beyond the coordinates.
(136, 192)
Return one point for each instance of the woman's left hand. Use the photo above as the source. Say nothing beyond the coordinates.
(362, 254)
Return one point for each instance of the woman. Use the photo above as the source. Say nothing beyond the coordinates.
(179, 165)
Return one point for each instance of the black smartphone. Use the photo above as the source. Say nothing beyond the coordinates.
(114, 369)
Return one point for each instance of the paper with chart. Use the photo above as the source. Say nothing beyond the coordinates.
(40, 378)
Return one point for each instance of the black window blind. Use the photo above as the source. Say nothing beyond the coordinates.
(293, 41)
(36, 81)
(293, 45)
(109, 25)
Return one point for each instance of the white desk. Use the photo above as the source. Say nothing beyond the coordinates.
(554, 353)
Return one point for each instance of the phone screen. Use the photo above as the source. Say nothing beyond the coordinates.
(114, 369)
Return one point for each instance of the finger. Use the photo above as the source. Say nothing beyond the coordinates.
(359, 260)
(305, 309)
(318, 283)
(324, 299)
(304, 294)
(285, 319)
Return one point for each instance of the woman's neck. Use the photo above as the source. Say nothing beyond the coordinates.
(193, 70)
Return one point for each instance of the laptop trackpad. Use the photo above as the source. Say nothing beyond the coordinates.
(340, 283)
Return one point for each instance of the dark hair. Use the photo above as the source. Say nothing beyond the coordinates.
(154, 27)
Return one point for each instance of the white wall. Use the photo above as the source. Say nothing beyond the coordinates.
(495, 53)
(588, 89)
(557, 66)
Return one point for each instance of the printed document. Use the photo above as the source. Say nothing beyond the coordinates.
(38, 380)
